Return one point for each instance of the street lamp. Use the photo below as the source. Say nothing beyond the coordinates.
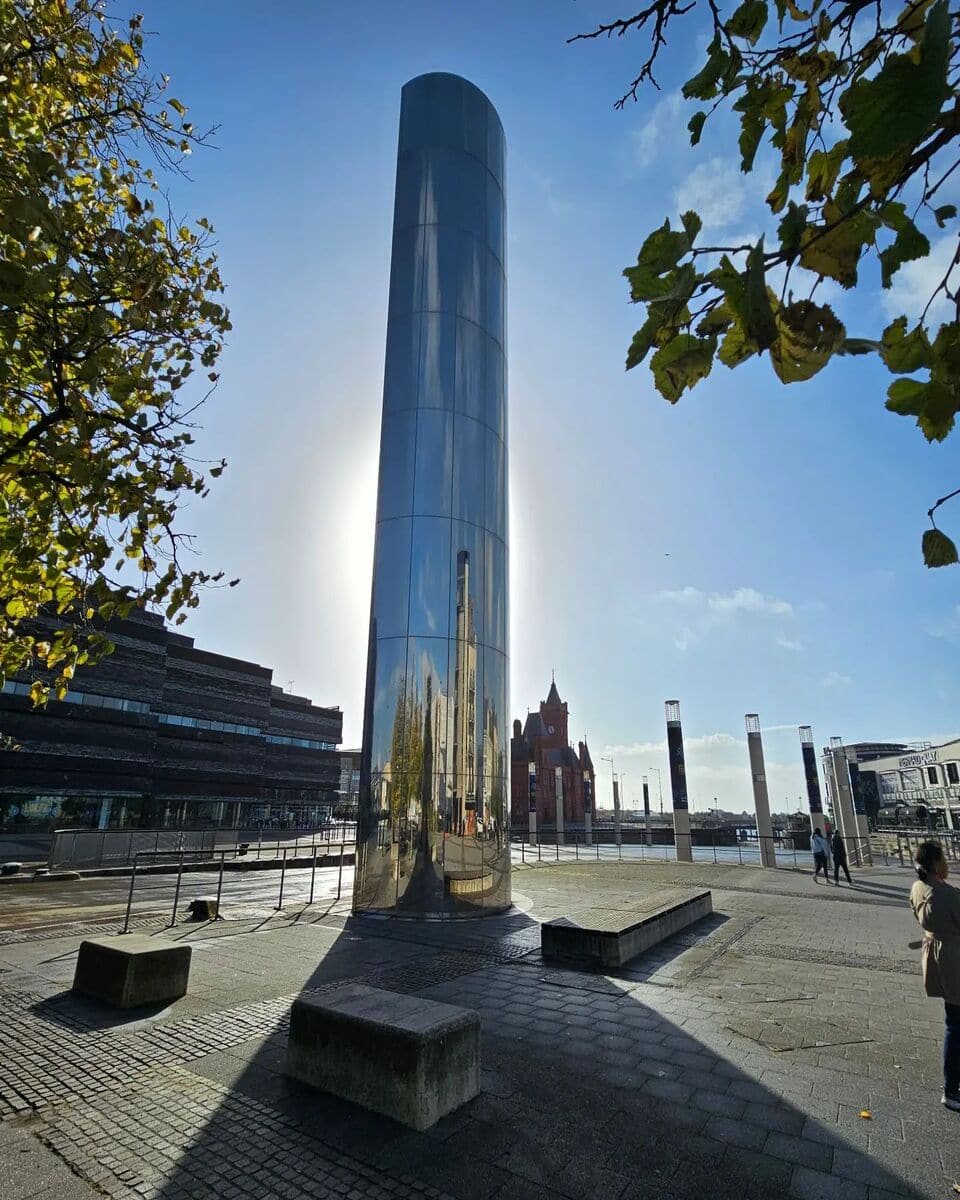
(616, 801)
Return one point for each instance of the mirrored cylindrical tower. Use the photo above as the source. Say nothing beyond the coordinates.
(434, 783)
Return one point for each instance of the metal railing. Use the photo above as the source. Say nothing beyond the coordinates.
(313, 851)
(549, 847)
(898, 847)
(91, 849)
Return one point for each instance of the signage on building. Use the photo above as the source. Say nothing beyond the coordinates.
(919, 760)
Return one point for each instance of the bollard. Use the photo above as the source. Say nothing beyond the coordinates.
(522, 851)
(340, 872)
(714, 849)
(557, 843)
(598, 851)
(538, 851)
(283, 872)
(133, 879)
(220, 882)
(576, 849)
(313, 872)
(259, 839)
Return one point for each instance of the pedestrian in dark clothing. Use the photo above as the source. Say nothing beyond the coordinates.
(838, 849)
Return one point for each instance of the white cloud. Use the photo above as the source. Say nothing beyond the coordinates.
(836, 679)
(684, 639)
(705, 741)
(741, 599)
(717, 190)
(914, 283)
(659, 130)
(789, 643)
(746, 599)
(948, 630)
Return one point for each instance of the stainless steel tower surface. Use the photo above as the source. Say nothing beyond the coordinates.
(434, 778)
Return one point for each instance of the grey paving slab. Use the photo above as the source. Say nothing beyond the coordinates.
(645, 1083)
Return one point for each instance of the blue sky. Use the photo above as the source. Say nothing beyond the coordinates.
(754, 548)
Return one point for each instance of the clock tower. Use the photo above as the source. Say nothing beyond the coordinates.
(553, 718)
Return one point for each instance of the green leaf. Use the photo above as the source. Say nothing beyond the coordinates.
(748, 20)
(695, 125)
(703, 85)
(681, 363)
(751, 131)
(908, 245)
(857, 346)
(823, 167)
(640, 346)
(902, 352)
(836, 252)
(944, 213)
(175, 104)
(808, 336)
(895, 110)
(735, 347)
(791, 228)
(758, 321)
(938, 549)
(934, 405)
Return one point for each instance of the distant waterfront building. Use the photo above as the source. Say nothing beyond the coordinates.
(162, 733)
(349, 791)
(906, 784)
(559, 770)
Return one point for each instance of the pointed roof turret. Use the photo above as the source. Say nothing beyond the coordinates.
(553, 696)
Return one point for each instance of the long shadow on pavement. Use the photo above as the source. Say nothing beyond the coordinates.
(591, 1089)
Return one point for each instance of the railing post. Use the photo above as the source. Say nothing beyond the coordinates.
(523, 851)
(223, 855)
(340, 871)
(133, 879)
(259, 839)
(176, 890)
(714, 848)
(313, 872)
(283, 872)
(576, 849)
(598, 851)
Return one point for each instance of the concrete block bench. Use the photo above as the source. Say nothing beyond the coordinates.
(130, 970)
(612, 937)
(410, 1059)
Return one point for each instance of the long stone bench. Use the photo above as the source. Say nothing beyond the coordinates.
(130, 970)
(410, 1059)
(612, 937)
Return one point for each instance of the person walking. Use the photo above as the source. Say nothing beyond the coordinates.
(936, 905)
(838, 848)
(821, 855)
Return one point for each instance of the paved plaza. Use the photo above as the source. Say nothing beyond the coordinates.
(781, 1048)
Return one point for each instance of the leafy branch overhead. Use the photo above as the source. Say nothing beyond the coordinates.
(108, 307)
(859, 109)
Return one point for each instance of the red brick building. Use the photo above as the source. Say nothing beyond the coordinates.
(560, 770)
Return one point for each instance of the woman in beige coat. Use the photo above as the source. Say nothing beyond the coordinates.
(936, 905)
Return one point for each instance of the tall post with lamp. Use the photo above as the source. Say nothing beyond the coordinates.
(761, 800)
(678, 782)
(646, 812)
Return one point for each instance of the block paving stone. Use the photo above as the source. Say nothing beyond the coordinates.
(649, 1083)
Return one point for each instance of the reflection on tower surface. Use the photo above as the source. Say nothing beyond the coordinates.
(434, 835)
